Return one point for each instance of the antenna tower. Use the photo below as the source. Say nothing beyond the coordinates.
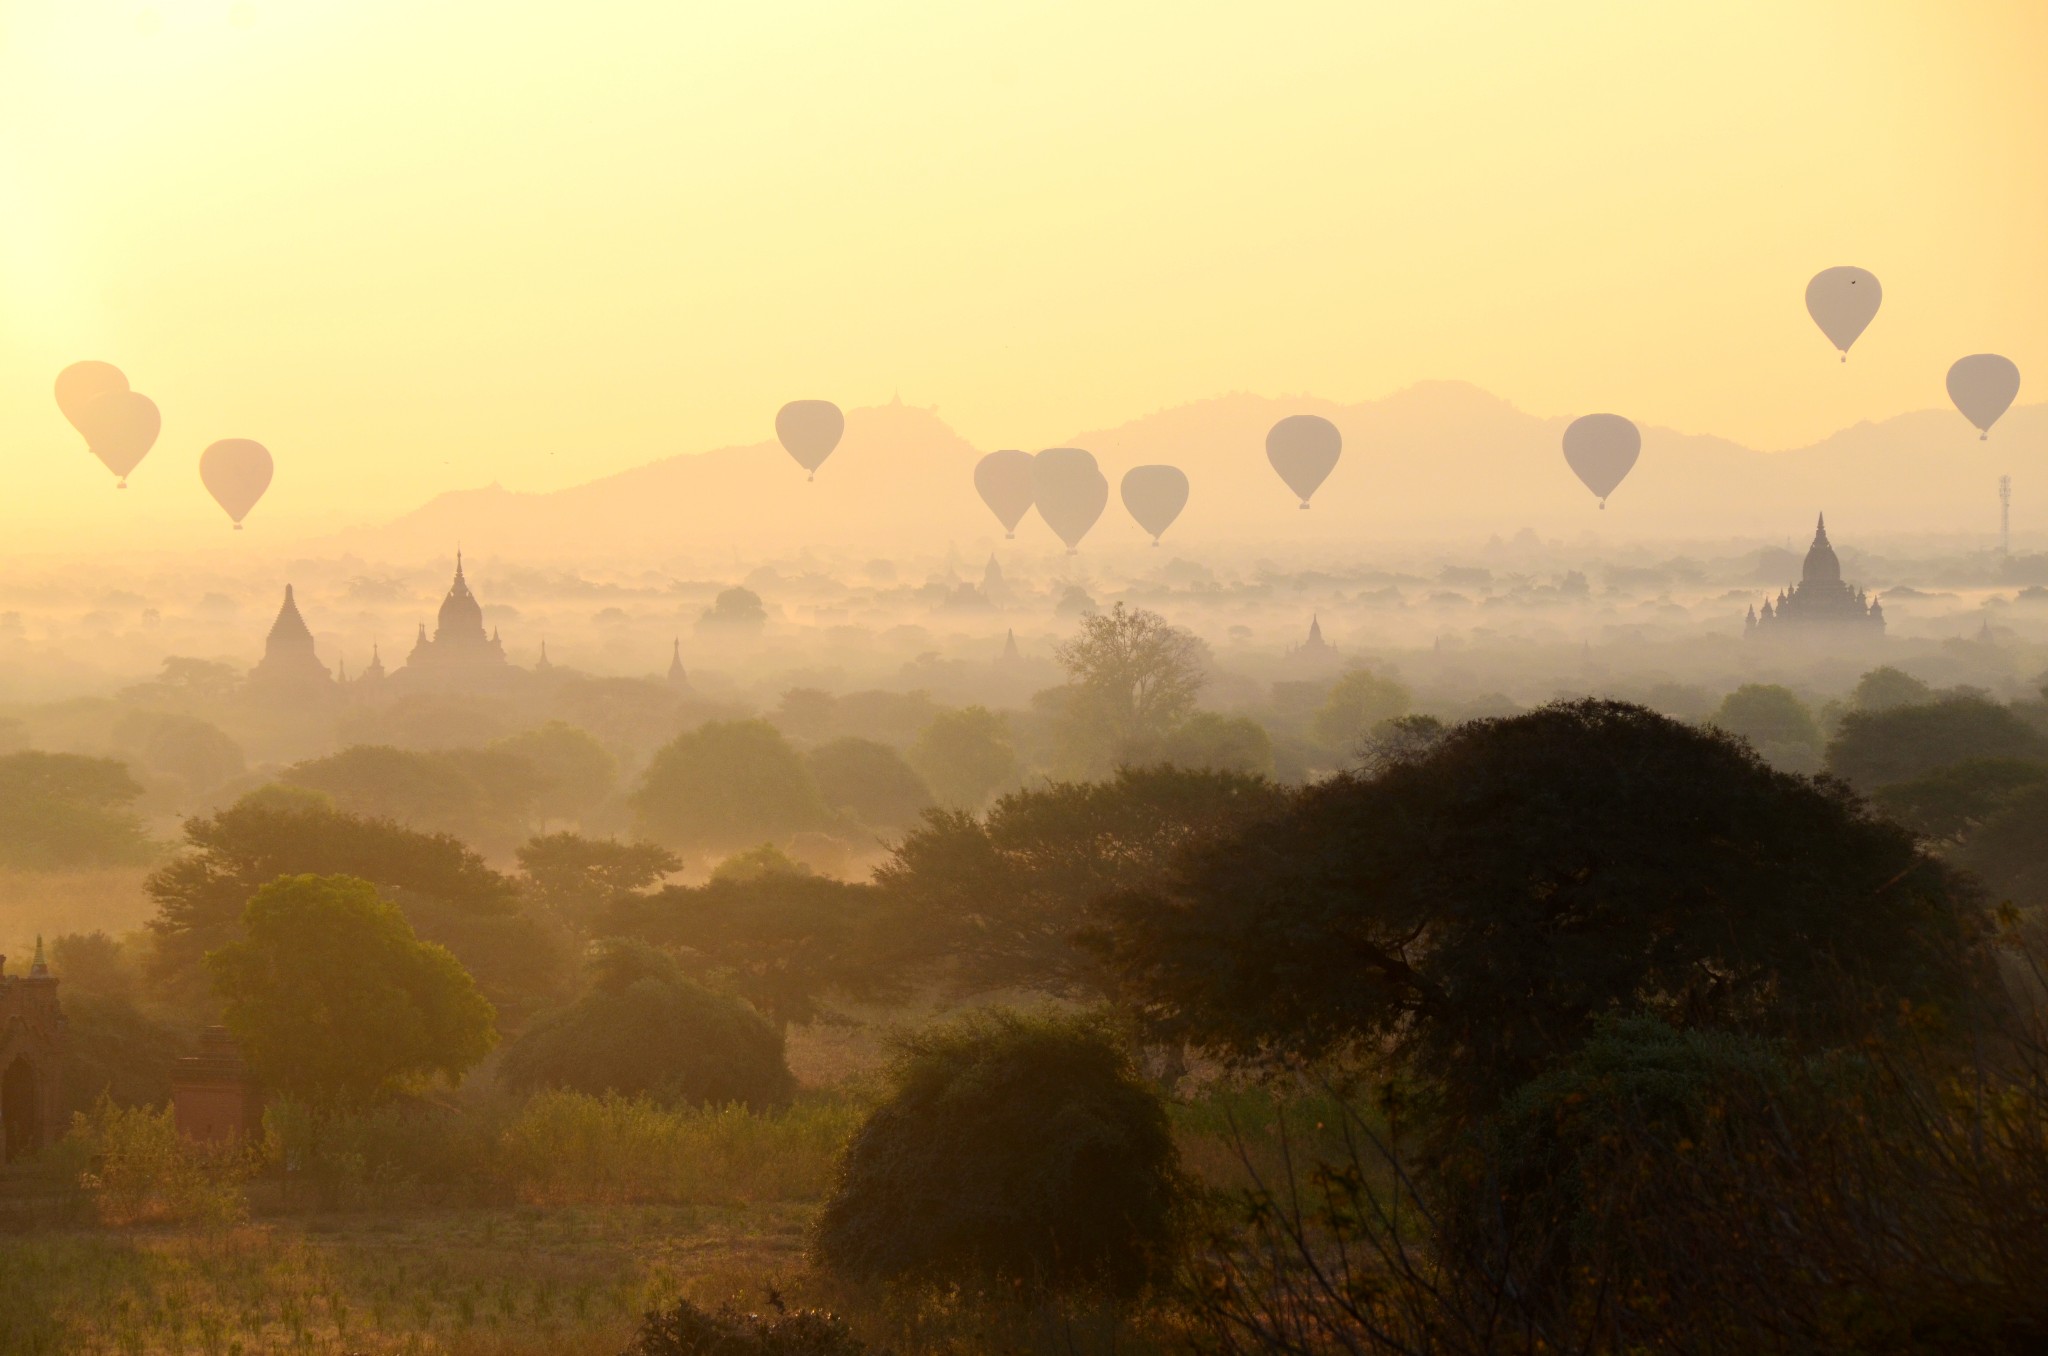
(2005, 515)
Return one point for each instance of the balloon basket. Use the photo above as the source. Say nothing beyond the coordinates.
(121, 484)
(1304, 506)
(238, 527)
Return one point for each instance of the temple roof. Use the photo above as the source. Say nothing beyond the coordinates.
(462, 617)
(1822, 566)
(289, 631)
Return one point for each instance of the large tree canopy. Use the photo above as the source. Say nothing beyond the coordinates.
(336, 1001)
(783, 940)
(1001, 896)
(62, 811)
(1905, 743)
(1477, 906)
(445, 890)
(724, 785)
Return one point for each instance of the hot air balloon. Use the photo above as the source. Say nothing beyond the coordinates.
(1983, 386)
(236, 472)
(1303, 449)
(809, 430)
(1004, 481)
(1843, 301)
(82, 383)
(1155, 495)
(1070, 491)
(1601, 448)
(120, 427)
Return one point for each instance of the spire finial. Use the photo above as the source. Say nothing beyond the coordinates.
(37, 968)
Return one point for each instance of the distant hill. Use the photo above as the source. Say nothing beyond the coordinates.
(1438, 460)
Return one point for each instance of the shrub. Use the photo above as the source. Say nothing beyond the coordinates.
(1013, 1149)
(687, 1330)
(143, 1170)
(647, 1029)
(568, 1148)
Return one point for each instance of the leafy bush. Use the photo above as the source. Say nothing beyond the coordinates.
(687, 1330)
(646, 1029)
(567, 1148)
(1013, 1149)
(64, 811)
(144, 1171)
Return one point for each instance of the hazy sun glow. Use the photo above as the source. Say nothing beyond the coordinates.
(414, 247)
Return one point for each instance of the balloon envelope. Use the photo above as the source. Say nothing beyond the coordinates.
(1070, 491)
(236, 472)
(120, 427)
(1843, 301)
(809, 430)
(1004, 482)
(1983, 386)
(1155, 495)
(1600, 449)
(1303, 449)
(82, 383)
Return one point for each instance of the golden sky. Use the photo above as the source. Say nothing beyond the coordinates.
(416, 245)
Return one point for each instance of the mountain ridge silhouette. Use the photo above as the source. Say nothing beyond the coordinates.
(1436, 460)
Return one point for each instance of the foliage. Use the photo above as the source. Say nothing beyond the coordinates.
(334, 1000)
(965, 756)
(479, 795)
(1775, 722)
(576, 877)
(574, 772)
(724, 784)
(1358, 702)
(868, 780)
(644, 1028)
(1885, 687)
(1130, 676)
(1011, 1150)
(446, 890)
(783, 940)
(1952, 801)
(1000, 897)
(566, 1148)
(686, 1330)
(1587, 858)
(1209, 741)
(64, 811)
(2010, 850)
(737, 609)
(144, 1171)
(195, 752)
(114, 1051)
(765, 859)
(1882, 748)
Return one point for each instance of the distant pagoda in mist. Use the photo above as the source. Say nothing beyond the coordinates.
(460, 653)
(290, 663)
(1821, 604)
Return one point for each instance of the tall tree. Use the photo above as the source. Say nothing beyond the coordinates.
(783, 940)
(727, 784)
(335, 1001)
(999, 898)
(1904, 743)
(965, 756)
(62, 811)
(1477, 906)
(445, 889)
(1130, 677)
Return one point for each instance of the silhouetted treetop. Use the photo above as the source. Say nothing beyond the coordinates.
(1477, 905)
